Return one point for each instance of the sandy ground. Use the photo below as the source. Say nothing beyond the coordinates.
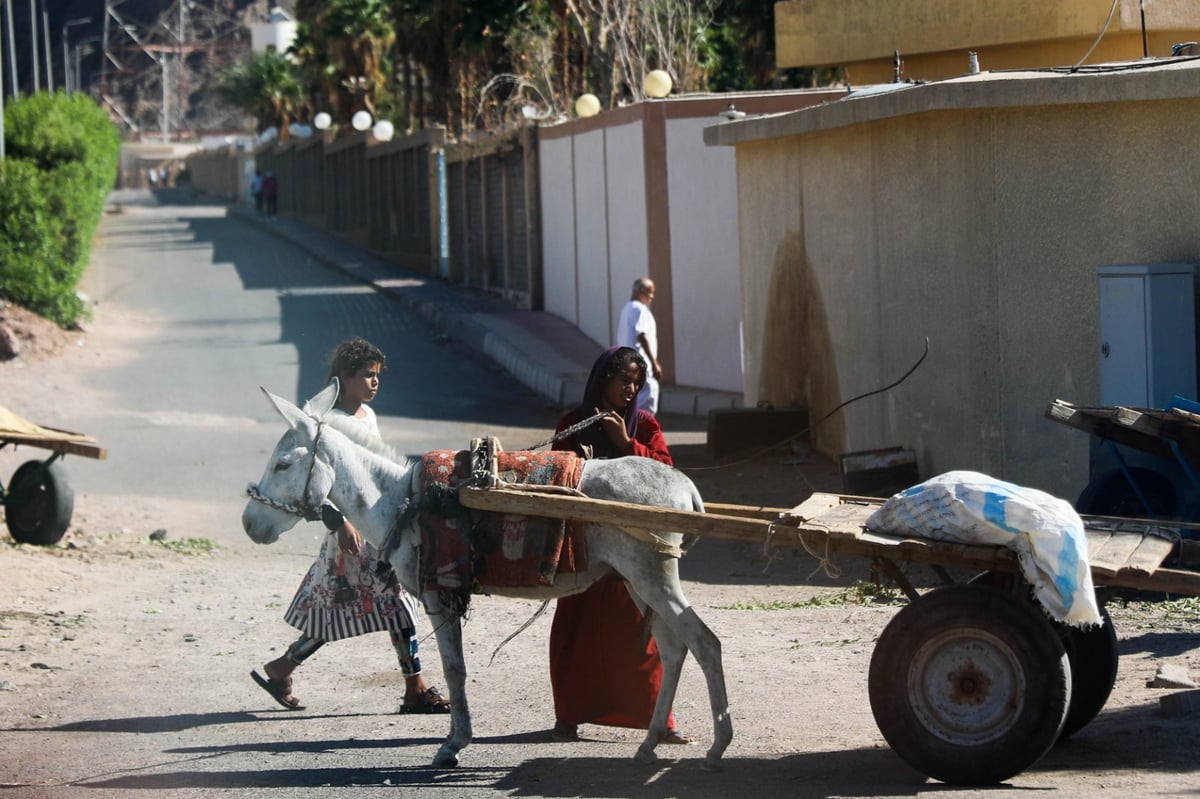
(124, 661)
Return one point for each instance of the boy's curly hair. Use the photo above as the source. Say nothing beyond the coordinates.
(354, 354)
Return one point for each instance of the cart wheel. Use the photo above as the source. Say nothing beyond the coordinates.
(1092, 652)
(39, 503)
(969, 685)
(1093, 655)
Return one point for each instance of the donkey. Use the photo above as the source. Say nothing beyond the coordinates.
(315, 461)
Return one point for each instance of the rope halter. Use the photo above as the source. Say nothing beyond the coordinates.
(303, 510)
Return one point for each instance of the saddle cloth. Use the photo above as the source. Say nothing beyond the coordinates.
(466, 550)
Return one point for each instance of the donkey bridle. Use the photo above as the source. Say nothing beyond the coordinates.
(303, 510)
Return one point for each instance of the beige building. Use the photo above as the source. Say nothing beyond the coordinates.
(974, 212)
(934, 37)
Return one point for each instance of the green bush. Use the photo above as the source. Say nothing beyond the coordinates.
(61, 157)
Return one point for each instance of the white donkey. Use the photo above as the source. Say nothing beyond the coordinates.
(317, 459)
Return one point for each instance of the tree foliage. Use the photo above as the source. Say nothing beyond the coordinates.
(267, 86)
(471, 64)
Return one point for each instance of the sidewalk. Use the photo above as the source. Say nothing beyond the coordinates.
(543, 351)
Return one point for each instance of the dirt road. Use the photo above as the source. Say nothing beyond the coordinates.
(124, 667)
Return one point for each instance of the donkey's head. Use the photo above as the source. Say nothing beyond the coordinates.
(297, 479)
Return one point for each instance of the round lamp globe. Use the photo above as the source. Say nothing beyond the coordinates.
(383, 130)
(657, 84)
(588, 105)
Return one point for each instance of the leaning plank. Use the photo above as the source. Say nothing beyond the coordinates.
(67, 444)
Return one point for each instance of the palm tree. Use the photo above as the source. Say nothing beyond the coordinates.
(267, 87)
(344, 45)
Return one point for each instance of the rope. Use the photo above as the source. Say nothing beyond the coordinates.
(820, 421)
(570, 431)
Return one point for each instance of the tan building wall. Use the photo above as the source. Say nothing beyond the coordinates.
(933, 37)
(973, 212)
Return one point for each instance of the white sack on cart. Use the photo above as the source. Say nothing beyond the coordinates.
(973, 508)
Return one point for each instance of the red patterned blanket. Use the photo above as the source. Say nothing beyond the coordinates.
(463, 550)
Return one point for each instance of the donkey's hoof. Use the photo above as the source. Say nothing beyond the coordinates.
(445, 758)
(713, 764)
(645, 755)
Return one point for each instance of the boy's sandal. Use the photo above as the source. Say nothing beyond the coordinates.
(280, 690)
(431, 701)
(677, 737)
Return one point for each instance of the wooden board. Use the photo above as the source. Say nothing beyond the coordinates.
(1123, 554)
(1147, 430)
(15, 430)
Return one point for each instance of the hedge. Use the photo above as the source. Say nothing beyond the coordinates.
(61, 158)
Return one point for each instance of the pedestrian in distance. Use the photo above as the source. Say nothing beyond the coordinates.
(636, 328)
(602, 670)
(346, 591)
(270, 193)
(256, 187)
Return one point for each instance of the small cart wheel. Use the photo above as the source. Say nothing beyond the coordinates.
(1092, 652)
(39, 503)
(969, 685)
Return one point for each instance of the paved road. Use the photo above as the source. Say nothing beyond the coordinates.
(230, 308)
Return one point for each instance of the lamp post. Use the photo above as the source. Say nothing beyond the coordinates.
(46, 47)
(79, 45)
(12, 49)
(33, 43)
(66, 49)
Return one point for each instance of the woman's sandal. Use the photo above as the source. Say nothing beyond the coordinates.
(677, 737)
(431, 701)
(280, 690)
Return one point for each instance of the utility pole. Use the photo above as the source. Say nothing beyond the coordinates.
(162, 59)
(66, 49)
(33, 42)
(12, 50)
(46, 47)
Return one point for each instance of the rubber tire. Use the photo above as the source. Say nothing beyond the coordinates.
(1112, 495)
(1094, 658)
(39, 503)
(969, 736)
(1093, 654)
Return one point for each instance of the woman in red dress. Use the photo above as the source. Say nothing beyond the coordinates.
(601, 672)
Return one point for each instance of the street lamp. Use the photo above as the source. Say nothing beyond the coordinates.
(80, 45)
(66, 49)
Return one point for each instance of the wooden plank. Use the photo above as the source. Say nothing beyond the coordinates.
(1111, 556)
(1151, 553)
(535, 503)
(1102, 423)
(749, 511)
(67, 446)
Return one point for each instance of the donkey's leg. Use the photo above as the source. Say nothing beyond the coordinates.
(448, 627)
(662, 592)
(672, 652)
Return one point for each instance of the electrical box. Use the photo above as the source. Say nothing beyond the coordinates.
(1147, 334)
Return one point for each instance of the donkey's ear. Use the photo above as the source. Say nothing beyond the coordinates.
(290, 413)
(324, 401)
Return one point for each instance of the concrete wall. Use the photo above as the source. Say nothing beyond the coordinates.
(934, 36)
(634, 191)
(972, 212)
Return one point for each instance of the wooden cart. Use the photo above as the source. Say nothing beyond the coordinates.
(969, 683)
(1145, 462)
(38, 502)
